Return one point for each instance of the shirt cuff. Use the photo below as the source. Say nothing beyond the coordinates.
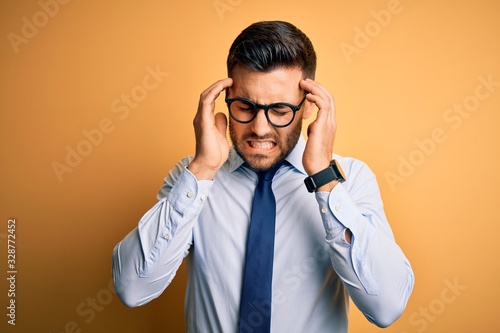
(188, 195)
(337, 210)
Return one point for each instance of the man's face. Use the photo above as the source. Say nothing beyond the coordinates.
(259, 143)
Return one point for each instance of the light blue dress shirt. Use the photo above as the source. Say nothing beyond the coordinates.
(315, 269)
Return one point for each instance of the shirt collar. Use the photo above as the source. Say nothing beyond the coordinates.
(234, 160)
(294, 158)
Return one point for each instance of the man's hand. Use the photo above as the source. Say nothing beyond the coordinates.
(212, 147)
(321, 132)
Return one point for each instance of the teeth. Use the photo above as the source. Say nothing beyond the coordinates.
(261, 144)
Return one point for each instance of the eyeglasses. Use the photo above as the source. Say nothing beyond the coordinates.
(279, 114)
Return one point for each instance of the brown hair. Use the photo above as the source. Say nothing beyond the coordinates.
(268, 45)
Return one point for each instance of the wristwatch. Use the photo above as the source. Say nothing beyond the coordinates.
(333, 172)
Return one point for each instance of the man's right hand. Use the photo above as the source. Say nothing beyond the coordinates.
(212, 147)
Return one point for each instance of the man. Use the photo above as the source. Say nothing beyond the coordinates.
(328, 246)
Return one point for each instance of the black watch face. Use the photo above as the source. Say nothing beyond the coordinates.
(311, 187)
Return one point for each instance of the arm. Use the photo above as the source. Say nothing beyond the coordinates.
(374, 270)
(364, 254)
(146, 260)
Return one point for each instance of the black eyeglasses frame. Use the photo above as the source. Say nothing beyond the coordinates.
(264, 107)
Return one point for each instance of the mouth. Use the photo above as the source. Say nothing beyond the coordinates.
(264, 145)
(259, 152)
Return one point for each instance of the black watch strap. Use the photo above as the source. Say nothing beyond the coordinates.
(333, 172)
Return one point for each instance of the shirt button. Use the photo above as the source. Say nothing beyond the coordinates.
(338, 207)
(324, 210)
(203, 197)
(189, 194)
(166, 236)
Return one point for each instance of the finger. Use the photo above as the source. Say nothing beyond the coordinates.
(221, 123)
(320, 102)
(319, 95)
(315, 88)
(211, 93)
(206, 105)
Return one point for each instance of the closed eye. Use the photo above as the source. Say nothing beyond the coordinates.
(243, 106)
(280, 109)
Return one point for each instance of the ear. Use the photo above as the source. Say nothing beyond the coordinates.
(308, 109)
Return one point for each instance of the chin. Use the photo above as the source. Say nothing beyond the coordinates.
(260, 162)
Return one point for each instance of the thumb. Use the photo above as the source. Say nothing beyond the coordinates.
(221, 123)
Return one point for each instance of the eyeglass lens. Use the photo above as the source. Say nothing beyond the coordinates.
(245, 111)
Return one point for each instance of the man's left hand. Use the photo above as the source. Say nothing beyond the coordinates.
(321, 132)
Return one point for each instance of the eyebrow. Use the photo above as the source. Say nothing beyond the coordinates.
(251, 100)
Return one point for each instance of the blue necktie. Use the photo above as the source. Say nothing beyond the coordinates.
(255, 305)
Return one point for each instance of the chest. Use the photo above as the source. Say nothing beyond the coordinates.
(221, 232)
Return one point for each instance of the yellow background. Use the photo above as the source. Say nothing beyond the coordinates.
(394, 87)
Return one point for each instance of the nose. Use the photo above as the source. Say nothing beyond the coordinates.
(260, 125)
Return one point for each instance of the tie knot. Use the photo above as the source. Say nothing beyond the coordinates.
(268, 175)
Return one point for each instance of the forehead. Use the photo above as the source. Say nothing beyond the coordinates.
(281, 84)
